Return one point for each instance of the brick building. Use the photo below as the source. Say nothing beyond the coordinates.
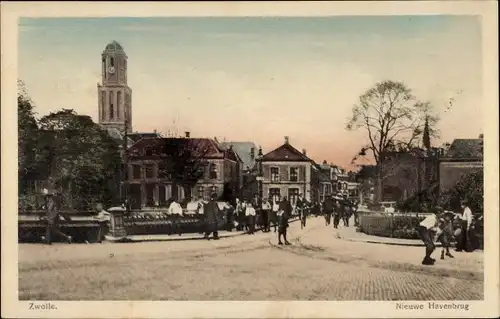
(464, 156)
(150, 185)
(289, 172)
(407, 174)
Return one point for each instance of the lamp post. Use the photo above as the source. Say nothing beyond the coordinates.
(260, 176)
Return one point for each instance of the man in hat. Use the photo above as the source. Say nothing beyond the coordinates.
(328, 209)
(211, 211)
(51, 207)
(339, 212)
(285, 209)
(463, 241)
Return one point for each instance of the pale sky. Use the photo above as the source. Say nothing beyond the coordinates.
(259, 79)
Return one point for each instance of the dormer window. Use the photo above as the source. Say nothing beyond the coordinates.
(149, 151)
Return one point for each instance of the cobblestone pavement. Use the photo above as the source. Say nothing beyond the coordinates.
(238, 268)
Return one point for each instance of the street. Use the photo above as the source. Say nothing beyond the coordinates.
(319, 265)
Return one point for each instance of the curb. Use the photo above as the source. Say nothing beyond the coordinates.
(371, 241)
(128, 239)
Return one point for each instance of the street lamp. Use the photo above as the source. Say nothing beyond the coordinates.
(260, 176)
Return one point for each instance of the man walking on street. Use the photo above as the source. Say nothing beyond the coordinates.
(266, 210)
(51, 206)
(328, 208)
(338, 213)
(285, 209)
(211, 211)
(251, 216)
(425, 228)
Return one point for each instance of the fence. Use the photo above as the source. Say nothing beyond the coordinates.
(404, 225)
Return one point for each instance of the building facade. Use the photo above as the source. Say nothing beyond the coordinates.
(289, 172)
(463, 157)
(150, 184)
(407, 174)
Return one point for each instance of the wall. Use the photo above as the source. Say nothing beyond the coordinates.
(450, 172)
(284, 184)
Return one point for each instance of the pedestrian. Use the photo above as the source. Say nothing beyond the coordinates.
(285, 209)
(446, 233)
(273, 215)
(339, 210)
(426, 227)
(355, 213)
(464, 239)
(328, 208)
(257, 206)
(305, 210)
(266, 209)
(251, 215)
(347, 214)
(51, 203)
(240, 214)
(211, 212)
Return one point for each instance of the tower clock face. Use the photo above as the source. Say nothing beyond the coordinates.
(111, 69)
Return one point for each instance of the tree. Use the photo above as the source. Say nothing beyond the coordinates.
(393, 119)
(80, 157)
(185, 161)
(469, 187)
(27, 138)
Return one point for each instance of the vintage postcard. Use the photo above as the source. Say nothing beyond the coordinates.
(253, 160)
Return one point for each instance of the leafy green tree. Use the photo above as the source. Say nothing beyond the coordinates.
(469, 187)
(81, 159)
(27, 139)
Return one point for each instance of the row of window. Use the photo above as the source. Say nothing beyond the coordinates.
(293, 174)
(151, 172)
(275, 194)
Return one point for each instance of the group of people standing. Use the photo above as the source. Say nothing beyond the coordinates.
(439, 228)
(263, 213)
(341, 209)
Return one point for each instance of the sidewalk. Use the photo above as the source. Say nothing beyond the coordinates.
(350, 233)
(332, 244)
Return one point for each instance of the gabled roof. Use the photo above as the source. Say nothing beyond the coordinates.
(466, 148)
(118, 136)
(135, 136)
(287, 153)
(203, 147)
(244, 152)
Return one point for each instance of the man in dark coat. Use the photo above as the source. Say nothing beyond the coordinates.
(211, 211)
(51, 206)
(328, 208)
(339, 212)
(284, 212)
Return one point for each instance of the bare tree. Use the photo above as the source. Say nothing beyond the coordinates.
(393, 119)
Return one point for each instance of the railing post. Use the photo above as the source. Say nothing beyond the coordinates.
(117, 227)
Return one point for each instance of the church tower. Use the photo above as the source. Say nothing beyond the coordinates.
(115, 96)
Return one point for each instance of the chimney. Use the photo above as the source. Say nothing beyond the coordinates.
(252, 153)
(304, 152)
(287, 140)
(324, 162)
(481, 136)
(188, 134)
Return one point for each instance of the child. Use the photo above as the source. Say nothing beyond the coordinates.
(282, 227)
(445, 233)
